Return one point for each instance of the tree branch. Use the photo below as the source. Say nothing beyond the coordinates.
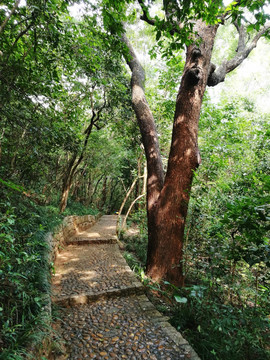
(21, 34)
(9, 16)
(145, 17)
(171, 8)
(147, 125)
(95, 117)
(242, 37)
(228, 13)
(243, 50)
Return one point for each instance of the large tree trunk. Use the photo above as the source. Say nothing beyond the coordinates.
(147, 128)
(167, 203)
(166, 228)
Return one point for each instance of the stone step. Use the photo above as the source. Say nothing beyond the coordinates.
(92, 269)
(120, 323)
(90, 297)
(89, 241)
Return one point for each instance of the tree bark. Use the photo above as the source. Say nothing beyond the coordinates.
(124, 224)
(166, 228)
(167, 201)
(147, 128)
(119, 225)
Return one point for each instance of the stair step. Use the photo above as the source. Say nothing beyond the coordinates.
(90, 297)
(87, 241)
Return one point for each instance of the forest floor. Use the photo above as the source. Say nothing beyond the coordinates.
(103, 312)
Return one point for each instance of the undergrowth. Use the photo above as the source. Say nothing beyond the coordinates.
(222, 316)
(25, 272)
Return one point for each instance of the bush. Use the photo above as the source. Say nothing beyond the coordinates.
(222, 331)
(25, 271)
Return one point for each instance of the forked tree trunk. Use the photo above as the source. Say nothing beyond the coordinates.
(167, 201)
(166, 227)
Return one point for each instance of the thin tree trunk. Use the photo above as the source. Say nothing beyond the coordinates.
(124, 224)
(104, 194)
(112, 192)
(1, 138)
(73, 165)
(78, 183)
(123, 204)
(138, 187)
(144, 189)
(13, 160)
(67, 181)
(95, 189)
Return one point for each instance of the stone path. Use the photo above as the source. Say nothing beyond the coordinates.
(103, 310)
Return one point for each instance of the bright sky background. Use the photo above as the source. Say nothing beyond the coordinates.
(251, 79)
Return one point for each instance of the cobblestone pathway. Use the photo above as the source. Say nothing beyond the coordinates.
(104, 313)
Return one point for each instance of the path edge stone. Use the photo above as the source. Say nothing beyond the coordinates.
(150, 310)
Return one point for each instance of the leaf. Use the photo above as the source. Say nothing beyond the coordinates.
(158, 35)
(11, 185)
(180, 300)
(250, 27)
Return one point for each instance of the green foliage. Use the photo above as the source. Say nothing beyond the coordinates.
(224, 309)
(24, 273)
(55, 74)
(221, 331)
(77, 208)
(170, 14)
(227, 239)
(136, 245)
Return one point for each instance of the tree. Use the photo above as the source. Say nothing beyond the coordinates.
(195, 25)
(98, 63)
(59, 80)
(49, 72)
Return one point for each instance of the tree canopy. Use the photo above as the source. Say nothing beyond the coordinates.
(85, 102)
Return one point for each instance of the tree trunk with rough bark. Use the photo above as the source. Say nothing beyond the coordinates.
(167, 200)
(166, 226)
